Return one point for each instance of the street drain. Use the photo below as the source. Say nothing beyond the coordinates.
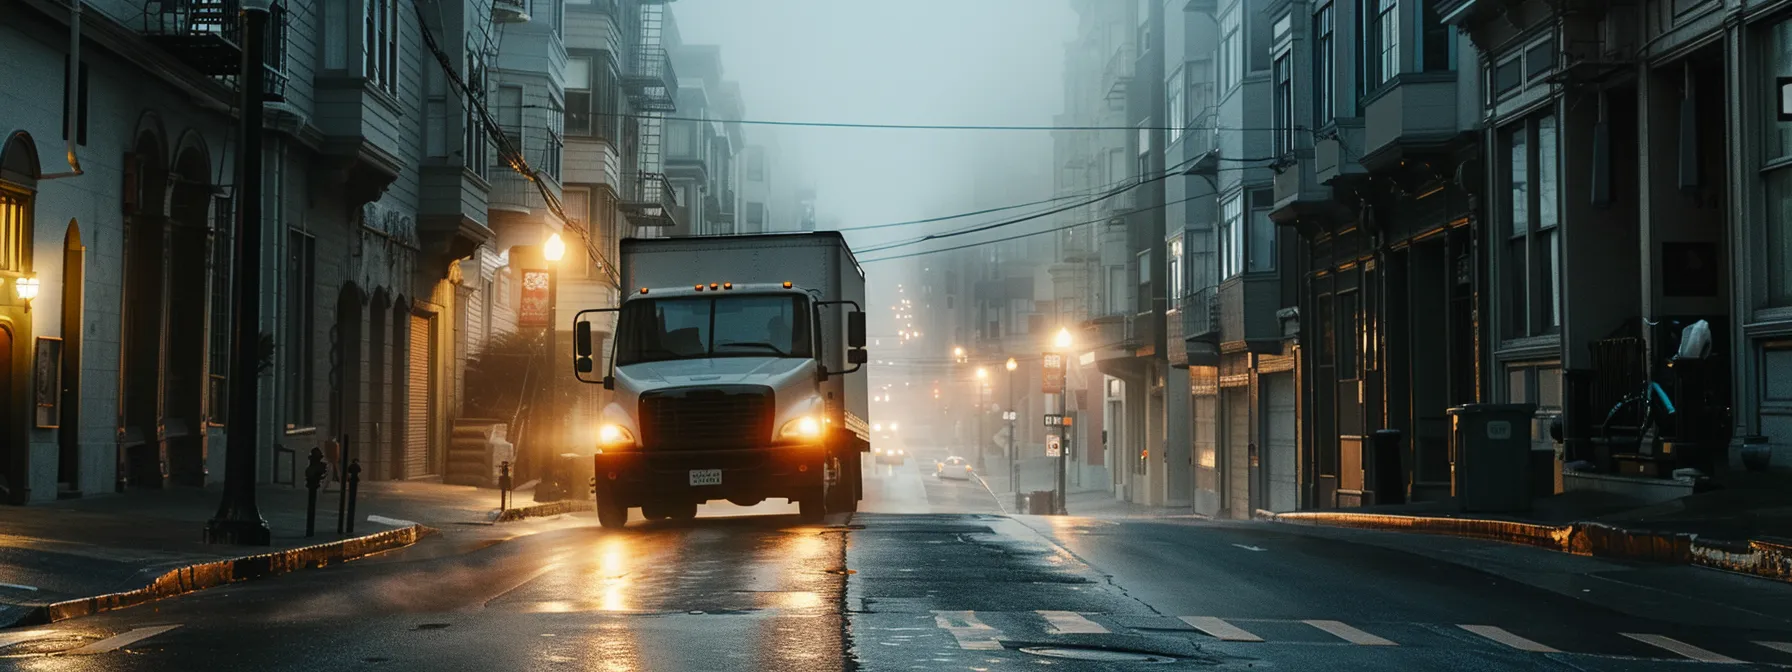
(1096, 655)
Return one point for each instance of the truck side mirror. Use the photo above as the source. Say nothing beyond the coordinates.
(581, 339)
(857, 356)
(855, 329)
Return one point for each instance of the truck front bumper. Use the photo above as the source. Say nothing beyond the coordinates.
(748, 473)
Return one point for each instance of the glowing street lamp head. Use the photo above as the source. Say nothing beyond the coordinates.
(1063, 339)
(554, 249)
(958, 352)
(982, 373)
(1011, 365)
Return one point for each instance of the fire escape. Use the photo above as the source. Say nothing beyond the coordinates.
(652, 89)
(207, 35)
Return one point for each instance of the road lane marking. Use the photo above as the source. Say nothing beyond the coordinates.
(394, 522)
(971, 633)
(1220, 629)
(1251, 548)
(1781, 647)
(1685, 650)
(1504, 636)
(1072, 623)
(1349, 634)
(551, 566)
(11, 638)
(19, 586)
(120, 640)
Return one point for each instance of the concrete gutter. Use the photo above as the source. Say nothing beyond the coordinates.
(205, 575)
(542, 510)
(1762, 559)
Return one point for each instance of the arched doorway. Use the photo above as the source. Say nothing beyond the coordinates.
(74, 289)
(379, 346)
(184, 375)
(143, 456)
(18, 190)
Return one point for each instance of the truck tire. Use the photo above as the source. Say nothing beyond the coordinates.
(611, 514)
(657, 511)
(685, 511)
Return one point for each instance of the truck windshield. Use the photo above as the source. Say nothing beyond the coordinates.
(742, 325)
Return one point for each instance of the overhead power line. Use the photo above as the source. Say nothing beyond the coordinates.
(1029, 234)
(938, 127)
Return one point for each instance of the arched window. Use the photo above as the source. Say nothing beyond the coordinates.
(18, 184)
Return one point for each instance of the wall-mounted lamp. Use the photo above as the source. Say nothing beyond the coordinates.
(26, 288)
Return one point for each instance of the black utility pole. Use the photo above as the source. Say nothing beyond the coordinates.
(238, 520)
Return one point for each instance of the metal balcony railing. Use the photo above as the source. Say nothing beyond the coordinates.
(651, 202)
(1200, 314)
(652, 81)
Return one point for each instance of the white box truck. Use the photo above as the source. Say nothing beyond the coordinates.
(735, 370)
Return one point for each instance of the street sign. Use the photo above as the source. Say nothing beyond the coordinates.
(1008, 415)
(1054, 372)
(1054, 420)
(1052, 447)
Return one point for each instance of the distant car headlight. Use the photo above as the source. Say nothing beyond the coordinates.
(898, 451)
(614, 436)
(805, 427)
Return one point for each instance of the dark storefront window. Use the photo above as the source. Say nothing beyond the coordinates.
(1532, 257)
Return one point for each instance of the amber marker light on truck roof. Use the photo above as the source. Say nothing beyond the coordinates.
(643, 290)
(712, 286)
(787, 284)
(699, 288)
(727, 285)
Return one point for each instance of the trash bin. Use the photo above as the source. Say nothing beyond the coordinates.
(1490, 456)
(1039, 502)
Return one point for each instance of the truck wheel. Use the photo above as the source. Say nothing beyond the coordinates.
(744, 502)
(611, 514)
(656, 511)
(685, 511)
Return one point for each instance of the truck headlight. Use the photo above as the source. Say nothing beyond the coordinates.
(614, 436)
(805, 427)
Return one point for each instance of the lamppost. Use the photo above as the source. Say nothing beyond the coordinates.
(982, 381)
(239, 520)
(1013, 462)
(552, 251)
(1063, 342)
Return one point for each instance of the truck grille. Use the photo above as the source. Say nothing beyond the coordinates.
(708, 418)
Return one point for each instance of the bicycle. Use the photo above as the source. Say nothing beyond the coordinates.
(1651, 405)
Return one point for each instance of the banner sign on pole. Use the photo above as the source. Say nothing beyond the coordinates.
(1054, 372)
(536, 305)
(1052, 446)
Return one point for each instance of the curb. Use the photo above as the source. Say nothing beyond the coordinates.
(193, 578)
(1761, 559)
(542, 510)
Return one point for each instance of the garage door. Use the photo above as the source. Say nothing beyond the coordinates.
(416, 449)
(1283, 446)
(1235, 405)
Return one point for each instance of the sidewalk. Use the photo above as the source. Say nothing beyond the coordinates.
(80, 556)
(1744, 529)
(1041, 474)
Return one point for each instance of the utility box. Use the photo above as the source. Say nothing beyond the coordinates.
(1490, 456)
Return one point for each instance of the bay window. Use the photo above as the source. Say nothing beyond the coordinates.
(1232, 236)
(1284, 103)
(1532, 264)
(1384, 41)
(1325, 76)
(1177, 286)
(1260, 248)
(1173, 91)
(1778, 175)
(578, 95)
(1231, 54)
(379, 44)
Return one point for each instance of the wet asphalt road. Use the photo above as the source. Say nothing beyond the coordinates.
(933, 576)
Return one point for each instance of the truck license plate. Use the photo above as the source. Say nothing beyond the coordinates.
(706, 477)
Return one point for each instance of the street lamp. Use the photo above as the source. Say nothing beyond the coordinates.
(1063, 342)
(555, 249)
(1063, 339)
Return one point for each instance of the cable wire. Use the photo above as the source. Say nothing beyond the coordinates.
(935, 127)
(1042, 232)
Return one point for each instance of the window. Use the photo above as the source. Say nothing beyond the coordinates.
(1116, 290)
(80, 110)
(222, 218)
(578, 96)
(1232, 236)
(1284, 103)
(1437, 41)
(1231, 56)
(1778, 237)
(1532, 264)
(1350, 335)
(475, 144)
(379, 44)
(15, 229)
(1261, 246)
(1384, 42)
(755, 217)
(1325, 75)
(556, 145)
(1177, 286)
(1328, 332)
(1143, 167)
(756, 164)
(742, 325)
(1173, 91)
(681, 139)
(510, 118)
(299, 328)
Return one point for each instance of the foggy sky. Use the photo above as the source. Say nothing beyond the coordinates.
(980, 62)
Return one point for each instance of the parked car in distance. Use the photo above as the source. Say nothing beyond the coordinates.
(953, 467)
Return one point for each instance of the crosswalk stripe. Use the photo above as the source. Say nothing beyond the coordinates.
(971, 633)
(1072, 623)
(120, 640)
(1685, 650)
(1504, 636)
(1349, 634)
(11, 638)
(1781, 647)
(1220, 629)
